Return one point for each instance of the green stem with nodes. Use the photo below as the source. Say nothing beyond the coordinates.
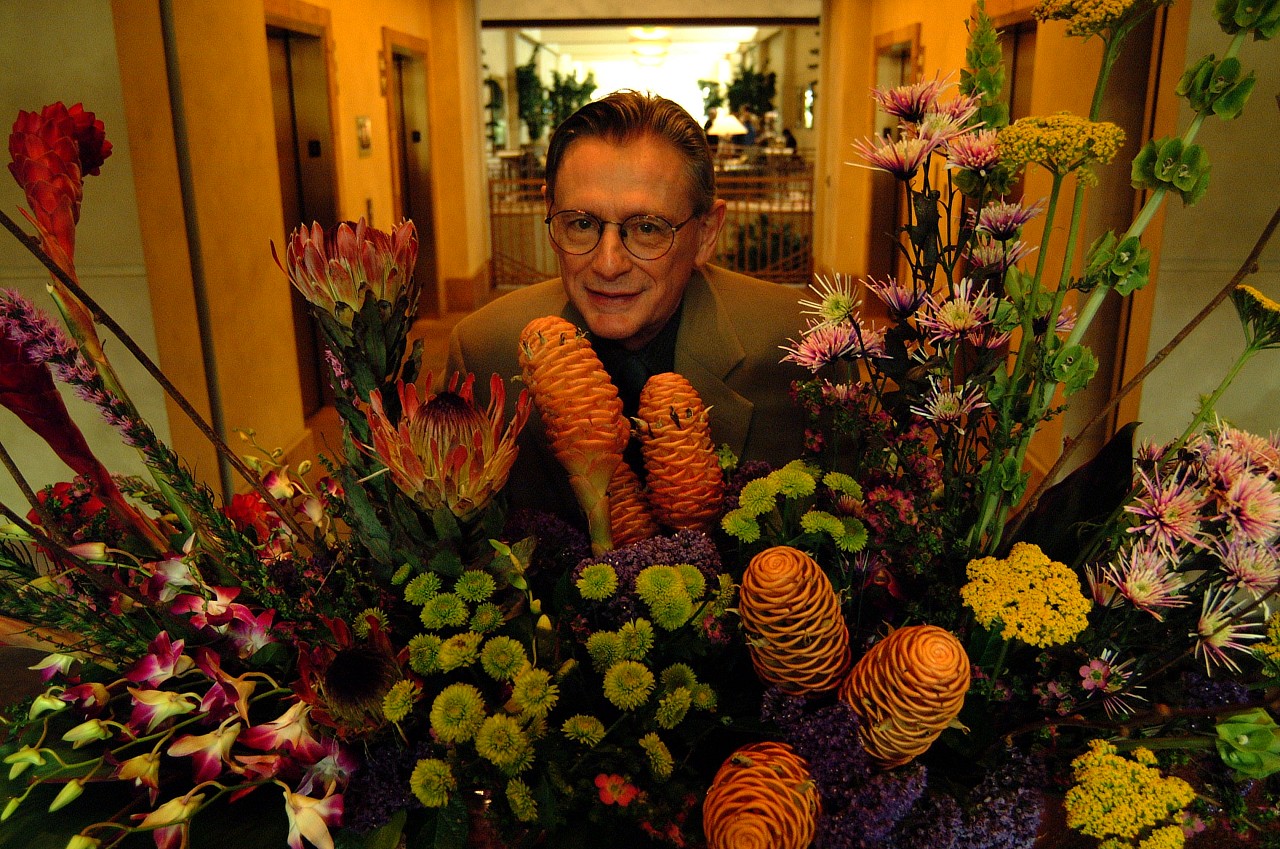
(1207, 407)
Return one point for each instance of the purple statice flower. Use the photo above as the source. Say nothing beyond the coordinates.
(560, 544)
(951, 405)
(1249, 566)
(1006, 806)
(743, 475)
(1168, 510)
(901, 158)
(936, 821)
(692, 547)
(1201, 691)
(380, 787)
(901, 300)
(911, 103)
(978, 151)
(1002, 220)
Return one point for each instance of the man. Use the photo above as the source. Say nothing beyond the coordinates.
(633, 219)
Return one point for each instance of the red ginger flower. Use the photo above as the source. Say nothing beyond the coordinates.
(51, 153)
(445, 451)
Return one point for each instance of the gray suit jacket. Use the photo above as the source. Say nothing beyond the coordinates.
(728, 346)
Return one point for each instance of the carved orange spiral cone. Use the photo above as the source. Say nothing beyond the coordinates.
(581, 412)
(761, 798)
(907, 689)
(629, 515)
(795, 631)
(685, 482)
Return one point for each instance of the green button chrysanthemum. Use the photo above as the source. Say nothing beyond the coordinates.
(605, 648)
(678, 675)
(533, 692)
(673, 707)
(598, 582)
(521, 800)
(445, 610)
(475, 586)
(583, 729)
(424, 653)
(660, 763)
(432, 781)
(459, 650)
(399, 700)
(457, 713)
(502, 658)
(662, 589)
(487, 617)
(628, 684)
(422, 588)
(635, 639)
(502, 742)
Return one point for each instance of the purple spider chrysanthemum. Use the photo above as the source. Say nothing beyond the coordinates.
(949, 406)
(1249, 566)
(901, 300)
(823, 344)
(1002, 220)
(1251, 506)
(996, 257)
(901, 158)
(1168, 510)
(966, 316)
(1142, 575)
(911, 103)
(977, 151)
(1221, 629)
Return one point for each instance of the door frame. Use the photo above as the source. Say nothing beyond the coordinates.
(393, 43)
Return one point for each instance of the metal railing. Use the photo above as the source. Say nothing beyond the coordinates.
(768, 229)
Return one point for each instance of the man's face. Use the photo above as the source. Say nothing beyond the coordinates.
(622, 297)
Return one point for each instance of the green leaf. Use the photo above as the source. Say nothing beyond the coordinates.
(445, 523)
(1142, 172)
(453, 826)
(446, 562)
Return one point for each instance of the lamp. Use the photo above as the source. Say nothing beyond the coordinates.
(725, 125)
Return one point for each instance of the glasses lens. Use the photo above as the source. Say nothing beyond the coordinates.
(647, 236)
(575, 232)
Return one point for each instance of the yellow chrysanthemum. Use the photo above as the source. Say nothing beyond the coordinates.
(1033, 599)
(1060, 143)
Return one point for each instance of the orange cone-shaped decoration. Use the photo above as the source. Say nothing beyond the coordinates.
(761, 798)
(795, 631)
(581, 412)
(629, 515)
(686, 485)
(906, 690)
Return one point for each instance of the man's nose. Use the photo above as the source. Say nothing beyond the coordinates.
(611, 258)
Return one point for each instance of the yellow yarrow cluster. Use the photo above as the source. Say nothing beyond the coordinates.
(1270, 650)
(1035, 599)
(1060, 143)
(1128, 802)
(1260, 314)
(1084, 17)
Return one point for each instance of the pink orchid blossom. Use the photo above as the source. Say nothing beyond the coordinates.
(310, 818)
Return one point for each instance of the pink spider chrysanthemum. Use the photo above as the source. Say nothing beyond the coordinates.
(823, 344)
(940, 127)
(977, 151)
(1222, 628)
(1168, 510)
(1261, 454)
(996, 257)
(1251, 506)
(911, 103)
(1249, 566)
(901, 158)
(960, 108)
(951, 405)
(1143, 577)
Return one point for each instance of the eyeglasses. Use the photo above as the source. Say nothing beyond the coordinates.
(644, 236)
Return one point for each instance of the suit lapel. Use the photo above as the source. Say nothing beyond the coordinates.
(707, 351)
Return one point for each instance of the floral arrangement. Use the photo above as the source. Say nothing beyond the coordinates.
(864, 647)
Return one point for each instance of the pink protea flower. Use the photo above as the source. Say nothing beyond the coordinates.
(1221, 629)
(977, 151)
(1168, 510)
(1002, 220)
(950, 405)
(1249, 566)
(445, 451)
(1141, 574)
(901, 158)
(338, 269)
(901, 300)
(1251, 506)
(911, 103)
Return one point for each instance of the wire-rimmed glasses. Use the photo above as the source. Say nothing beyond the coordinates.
(644, 236)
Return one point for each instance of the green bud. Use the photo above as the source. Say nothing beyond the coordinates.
(21, 759)
(10, 808)
(1249, 742)
(68, 794)
(83, 841)
(87, 732)
(46, 703)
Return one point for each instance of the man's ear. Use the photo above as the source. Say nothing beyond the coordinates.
(709, 232)
(546, 198)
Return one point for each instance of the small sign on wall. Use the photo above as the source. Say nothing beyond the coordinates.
(364, 135)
